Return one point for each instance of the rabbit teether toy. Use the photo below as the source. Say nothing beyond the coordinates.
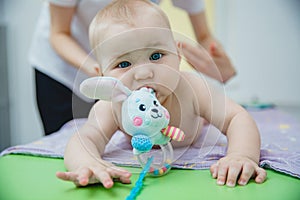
(143, 117)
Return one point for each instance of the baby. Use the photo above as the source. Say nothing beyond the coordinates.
(133, 42)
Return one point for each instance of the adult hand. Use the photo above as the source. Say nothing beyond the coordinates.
(91, 68)
(217, 65)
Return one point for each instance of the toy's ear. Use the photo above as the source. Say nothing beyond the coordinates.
(104, 88)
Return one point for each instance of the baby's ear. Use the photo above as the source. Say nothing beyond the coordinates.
(104, 88)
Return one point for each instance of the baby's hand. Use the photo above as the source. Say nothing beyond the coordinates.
(233, 169)
(96, 174)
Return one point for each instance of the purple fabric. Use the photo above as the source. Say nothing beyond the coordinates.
(280, 149)
(280, 136)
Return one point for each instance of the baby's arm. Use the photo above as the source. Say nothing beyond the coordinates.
(84, 150)
(241, 160)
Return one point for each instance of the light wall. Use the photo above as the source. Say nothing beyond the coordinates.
(262, 38)
(20, 18)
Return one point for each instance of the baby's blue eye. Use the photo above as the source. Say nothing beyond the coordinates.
(156, 56)
(124, 64)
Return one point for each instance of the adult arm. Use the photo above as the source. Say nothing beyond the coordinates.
(65, 45)
(221, 69)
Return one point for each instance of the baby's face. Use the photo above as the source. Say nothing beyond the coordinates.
(145, 55)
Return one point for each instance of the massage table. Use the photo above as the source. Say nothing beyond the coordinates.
(28, 171)
(25, 177)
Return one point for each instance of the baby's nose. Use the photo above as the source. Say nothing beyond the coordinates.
(154, 110)
(143, 72)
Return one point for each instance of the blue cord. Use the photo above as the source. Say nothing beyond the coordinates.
(139, 183)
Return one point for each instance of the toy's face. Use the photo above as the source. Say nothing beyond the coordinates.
(143, 114)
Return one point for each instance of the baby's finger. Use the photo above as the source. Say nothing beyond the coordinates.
(121, 174)
(67, 176)
(261, 175)
(233, 173)
(246, 174)
(214, 170)
(104, 177)
(84, 177)
(222, 174)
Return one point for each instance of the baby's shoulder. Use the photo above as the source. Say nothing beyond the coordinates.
(105, 110)
(192, 78)
(190, 74)
(101, 104)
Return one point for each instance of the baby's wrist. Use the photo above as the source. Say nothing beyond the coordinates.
(253, 158)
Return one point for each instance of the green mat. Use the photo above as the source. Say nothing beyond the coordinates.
(28, 177)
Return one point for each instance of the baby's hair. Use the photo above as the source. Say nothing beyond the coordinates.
(122, 12)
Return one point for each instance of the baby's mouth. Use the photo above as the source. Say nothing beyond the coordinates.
(155, 92)
(149, 87)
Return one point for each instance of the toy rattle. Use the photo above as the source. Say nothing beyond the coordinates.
(143, 117)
